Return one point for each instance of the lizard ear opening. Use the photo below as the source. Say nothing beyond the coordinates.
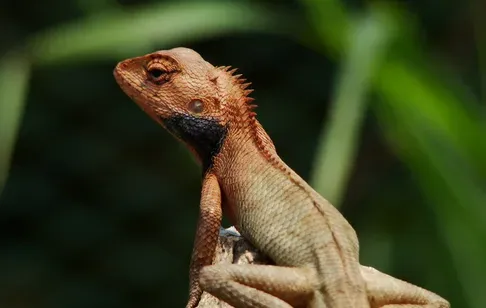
(196, 106)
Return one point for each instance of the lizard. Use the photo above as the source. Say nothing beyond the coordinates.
(314, 248)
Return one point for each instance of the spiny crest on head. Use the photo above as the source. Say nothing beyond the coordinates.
(242, 85)
(247, 110)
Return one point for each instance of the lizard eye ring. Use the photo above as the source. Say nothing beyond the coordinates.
(157, 73)
(196, 106)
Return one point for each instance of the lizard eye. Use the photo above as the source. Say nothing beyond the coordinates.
(156, 73)
(196, 106)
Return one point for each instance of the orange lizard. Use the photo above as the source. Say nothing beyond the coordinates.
(313, 246)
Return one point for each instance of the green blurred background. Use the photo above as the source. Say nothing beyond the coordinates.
(379, 104)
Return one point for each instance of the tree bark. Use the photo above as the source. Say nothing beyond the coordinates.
(232, 249)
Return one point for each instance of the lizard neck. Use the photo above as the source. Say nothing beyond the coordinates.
(246, 143)
(245, 135)
(250, 144)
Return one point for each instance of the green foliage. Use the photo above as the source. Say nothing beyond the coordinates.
(116, 34)
(444, 158)
(434, 127)
(334, 159)
(14, 76)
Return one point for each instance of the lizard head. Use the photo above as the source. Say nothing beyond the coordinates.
(195, 101)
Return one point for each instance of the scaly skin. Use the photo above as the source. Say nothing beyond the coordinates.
(315, 249)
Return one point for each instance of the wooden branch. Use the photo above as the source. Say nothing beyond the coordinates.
(232, 249)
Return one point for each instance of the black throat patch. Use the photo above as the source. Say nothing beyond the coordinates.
(205, 135)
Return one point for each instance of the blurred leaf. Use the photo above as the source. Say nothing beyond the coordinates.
(442, 109)
(368, 38)
(431, 132)
(107, 35)
(330, 21)
(438, 135)
(14, 76)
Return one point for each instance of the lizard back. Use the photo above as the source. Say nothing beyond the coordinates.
(276, 210)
